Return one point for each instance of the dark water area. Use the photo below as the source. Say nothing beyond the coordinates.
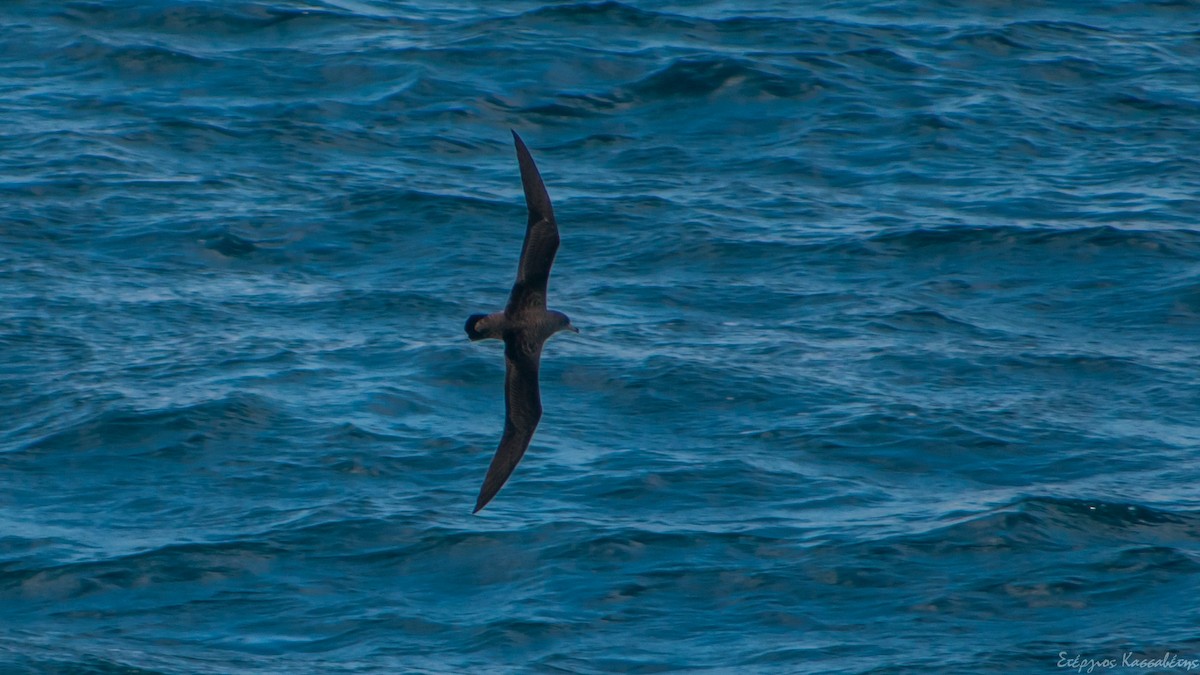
(888, 359)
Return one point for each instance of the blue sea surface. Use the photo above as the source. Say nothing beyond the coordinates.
(889, 363)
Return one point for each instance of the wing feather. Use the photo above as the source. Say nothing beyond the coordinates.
(522, 412)
(541, 238)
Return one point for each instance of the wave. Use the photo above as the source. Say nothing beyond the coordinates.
(220, 20)
(595, 14)
(136, 60)
(693, 77)
(1103, 367)
(885, 59)
(711, 78)
(365, 203)
(1169, 243)
(1123, 530)
(175, 563)
(925, 321)
(795, 250)
(150, 432)
(61, 661)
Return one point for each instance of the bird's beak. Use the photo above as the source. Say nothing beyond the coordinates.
(574, 329)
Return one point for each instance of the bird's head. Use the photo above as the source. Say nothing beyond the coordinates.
(562, 322)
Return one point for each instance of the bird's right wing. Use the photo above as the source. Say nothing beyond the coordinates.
(522, 412)
(541, 238)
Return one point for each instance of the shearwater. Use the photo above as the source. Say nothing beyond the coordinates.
(524, 325)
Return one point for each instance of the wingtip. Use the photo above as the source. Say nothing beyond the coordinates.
(536, 198)
(482, 499)
(479, 504)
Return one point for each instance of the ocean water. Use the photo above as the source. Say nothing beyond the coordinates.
(889, 354)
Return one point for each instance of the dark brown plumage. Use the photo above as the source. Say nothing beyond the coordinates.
(524, 325)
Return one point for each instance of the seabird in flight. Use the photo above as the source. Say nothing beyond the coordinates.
(524, 325)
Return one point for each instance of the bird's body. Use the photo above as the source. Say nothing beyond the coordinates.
(524, 326)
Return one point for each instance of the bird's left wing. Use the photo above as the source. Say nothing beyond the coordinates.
(522, 412)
